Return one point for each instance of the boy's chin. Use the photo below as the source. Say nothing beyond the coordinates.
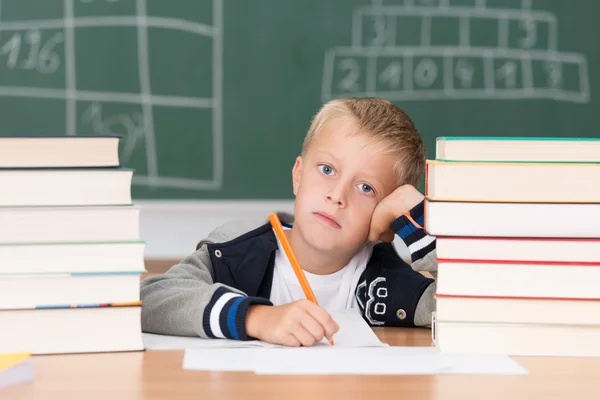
(318, 239)
(324, 247)
(330, 243)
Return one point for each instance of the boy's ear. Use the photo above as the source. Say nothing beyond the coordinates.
(296, 174)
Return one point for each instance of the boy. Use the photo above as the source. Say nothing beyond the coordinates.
(353, 181)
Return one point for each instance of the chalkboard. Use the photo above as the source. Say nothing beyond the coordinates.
(213, 97)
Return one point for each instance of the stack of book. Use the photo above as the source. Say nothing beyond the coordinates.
(517, 222)
(70, 251)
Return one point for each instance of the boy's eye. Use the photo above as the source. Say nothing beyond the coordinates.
(326, 169)
(365, 188)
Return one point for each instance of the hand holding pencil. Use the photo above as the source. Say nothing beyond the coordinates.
(300, 323)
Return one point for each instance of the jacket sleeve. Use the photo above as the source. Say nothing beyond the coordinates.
(423, 255)
(185, 301)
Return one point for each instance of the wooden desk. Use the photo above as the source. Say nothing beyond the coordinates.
(159, 375)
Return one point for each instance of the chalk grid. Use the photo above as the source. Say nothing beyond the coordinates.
(141, 21)
(411, 65)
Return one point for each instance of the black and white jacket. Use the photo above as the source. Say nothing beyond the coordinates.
(208, 293)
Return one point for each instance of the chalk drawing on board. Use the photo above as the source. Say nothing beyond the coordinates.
(410, 50)
(25, 47)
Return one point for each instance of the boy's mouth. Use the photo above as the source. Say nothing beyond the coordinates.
(328, 219)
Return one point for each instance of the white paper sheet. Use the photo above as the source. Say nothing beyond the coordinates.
(387, 361)
(353, 332)
(224, 359)
(337, 360)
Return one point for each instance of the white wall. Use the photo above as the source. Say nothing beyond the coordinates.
(171, 229)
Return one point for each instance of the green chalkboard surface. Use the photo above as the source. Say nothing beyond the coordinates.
(213, 97)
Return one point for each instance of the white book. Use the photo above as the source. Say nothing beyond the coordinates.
(71, 258)
(71, 330)
(520, 248)
(513, 182)
(518, 310)
(518, 279)
(40, 291)
(59, 151)
(544, 220)
(517, 339)
(69, 224)
(528, 149)
(65, 187)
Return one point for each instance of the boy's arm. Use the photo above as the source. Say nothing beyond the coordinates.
(388, 218)
(423, 256)
(185, 301)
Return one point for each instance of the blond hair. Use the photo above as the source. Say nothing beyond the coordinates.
(384, 122)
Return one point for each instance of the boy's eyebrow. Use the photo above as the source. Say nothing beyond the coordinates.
(327, 153)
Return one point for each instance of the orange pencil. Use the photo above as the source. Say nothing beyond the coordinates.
(287, 248)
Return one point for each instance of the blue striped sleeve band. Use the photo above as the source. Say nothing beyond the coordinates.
(419, 243)
(225, 314)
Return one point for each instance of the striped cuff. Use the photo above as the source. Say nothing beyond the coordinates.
(225, 314)
(418, 242)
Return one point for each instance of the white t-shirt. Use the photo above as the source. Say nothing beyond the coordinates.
(333, 292)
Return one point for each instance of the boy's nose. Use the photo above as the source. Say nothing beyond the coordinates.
(337, 195)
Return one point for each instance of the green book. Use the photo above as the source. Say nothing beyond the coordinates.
(518, 149)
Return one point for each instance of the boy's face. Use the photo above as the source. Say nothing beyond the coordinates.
(337, 184)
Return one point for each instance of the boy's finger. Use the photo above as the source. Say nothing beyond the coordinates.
(303, 336)
(387, 236)
(324, 319)
(373, 228)
(374, 231)
(313, 326)
(290, 341)
(373, 235)
(377, 228)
